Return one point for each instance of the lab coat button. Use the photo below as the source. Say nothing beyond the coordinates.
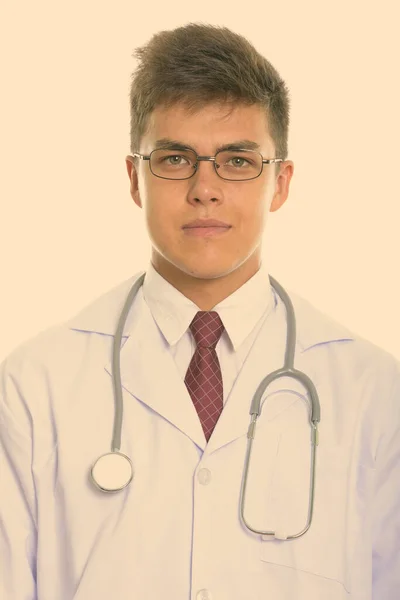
(203, 595)
(204, 477)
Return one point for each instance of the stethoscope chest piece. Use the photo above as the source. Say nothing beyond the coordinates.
(112, 472)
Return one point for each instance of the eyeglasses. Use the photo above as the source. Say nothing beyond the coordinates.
(237, 165)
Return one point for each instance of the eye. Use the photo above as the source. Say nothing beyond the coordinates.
(238, 161)
(174, 159)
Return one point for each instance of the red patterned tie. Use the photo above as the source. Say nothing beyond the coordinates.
(203, 378)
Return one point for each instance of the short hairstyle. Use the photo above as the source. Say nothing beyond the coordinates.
(199, 64)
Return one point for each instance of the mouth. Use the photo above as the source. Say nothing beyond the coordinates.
(206, 231)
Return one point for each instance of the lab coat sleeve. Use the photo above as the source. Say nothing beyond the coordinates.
(386, 508)
(17, 496)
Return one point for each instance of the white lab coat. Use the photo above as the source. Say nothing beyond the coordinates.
(175, 532)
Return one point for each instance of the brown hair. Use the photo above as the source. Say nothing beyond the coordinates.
(198, 64)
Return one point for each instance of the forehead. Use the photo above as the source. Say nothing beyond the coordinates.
(215, 122)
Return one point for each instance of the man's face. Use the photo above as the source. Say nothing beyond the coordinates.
(243, 205)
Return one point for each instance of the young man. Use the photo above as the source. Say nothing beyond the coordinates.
(201, 334)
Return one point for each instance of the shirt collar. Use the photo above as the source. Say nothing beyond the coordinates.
(240, 312)
(313, 327)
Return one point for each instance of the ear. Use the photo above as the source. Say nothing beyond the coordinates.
(282, 185)
(133, 177)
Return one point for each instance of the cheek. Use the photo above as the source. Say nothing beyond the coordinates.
(163, 203)
(254, 210)
(157, 218)
(161, 219)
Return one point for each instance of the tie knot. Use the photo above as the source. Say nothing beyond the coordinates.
(206, 328)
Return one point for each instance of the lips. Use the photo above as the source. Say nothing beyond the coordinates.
(206, 231)
(205, 223)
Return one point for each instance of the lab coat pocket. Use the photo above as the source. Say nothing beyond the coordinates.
(327, 549)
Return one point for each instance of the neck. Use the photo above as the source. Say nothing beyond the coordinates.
(207, 290)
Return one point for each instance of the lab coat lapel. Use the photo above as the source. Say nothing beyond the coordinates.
(265, 356)
(149, 374)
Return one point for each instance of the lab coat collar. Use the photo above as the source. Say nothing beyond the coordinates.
(101, 316)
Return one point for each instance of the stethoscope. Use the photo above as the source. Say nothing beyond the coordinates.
(113, 471)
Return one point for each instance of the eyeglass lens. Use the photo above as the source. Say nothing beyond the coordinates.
(233, 165)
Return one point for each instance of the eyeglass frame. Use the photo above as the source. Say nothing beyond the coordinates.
(264, 161)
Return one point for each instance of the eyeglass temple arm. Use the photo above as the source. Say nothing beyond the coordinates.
(142, 156)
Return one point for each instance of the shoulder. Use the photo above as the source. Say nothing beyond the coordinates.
(351, 352)
(61, 340)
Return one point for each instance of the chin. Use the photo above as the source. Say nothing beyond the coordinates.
(204, 271)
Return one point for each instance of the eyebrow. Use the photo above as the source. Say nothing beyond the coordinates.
(177, 145)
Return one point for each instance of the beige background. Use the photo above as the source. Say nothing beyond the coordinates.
(69, 228)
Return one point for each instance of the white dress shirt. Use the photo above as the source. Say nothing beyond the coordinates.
(242, 314)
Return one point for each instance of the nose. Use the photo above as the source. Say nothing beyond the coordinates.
(205, 184)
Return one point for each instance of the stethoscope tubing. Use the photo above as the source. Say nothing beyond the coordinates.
(287, 370)
(116, 367)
